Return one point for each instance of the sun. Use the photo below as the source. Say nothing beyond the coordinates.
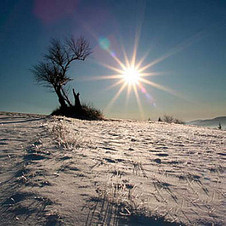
(131, 76)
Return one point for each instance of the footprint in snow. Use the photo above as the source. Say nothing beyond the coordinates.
(162, 154)
(158, 161)
(34, 157)
(109, 160)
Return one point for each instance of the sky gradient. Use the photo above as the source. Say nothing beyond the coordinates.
(186, 37)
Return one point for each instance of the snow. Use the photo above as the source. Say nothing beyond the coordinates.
(56, 170)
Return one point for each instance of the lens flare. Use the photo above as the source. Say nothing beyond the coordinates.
(104, 43)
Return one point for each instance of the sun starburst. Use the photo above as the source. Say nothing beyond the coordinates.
(133, 75)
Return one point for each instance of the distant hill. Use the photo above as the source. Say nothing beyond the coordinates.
(210, 122)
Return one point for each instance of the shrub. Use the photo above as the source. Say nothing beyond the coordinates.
(86, 112)
(171, 119)
(168, 119)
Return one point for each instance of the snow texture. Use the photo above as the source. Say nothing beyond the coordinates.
(61, 171)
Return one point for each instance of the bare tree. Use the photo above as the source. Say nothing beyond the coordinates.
(52, 72)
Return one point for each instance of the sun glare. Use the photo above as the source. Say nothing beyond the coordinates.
(131, 76)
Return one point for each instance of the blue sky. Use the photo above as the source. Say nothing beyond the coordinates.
(189, 37)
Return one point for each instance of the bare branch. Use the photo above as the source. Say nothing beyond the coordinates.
(52, 72)
(80, 48)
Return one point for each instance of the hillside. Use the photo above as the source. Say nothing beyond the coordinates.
(61, 171)
(214, 123)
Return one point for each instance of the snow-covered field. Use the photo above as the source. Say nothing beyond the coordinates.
(61, 171)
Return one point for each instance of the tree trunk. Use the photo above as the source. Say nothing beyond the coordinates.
(66, 97)
(77, 100)
(60, 98)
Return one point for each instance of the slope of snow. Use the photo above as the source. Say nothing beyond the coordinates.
(58, 170)
(212, 123)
